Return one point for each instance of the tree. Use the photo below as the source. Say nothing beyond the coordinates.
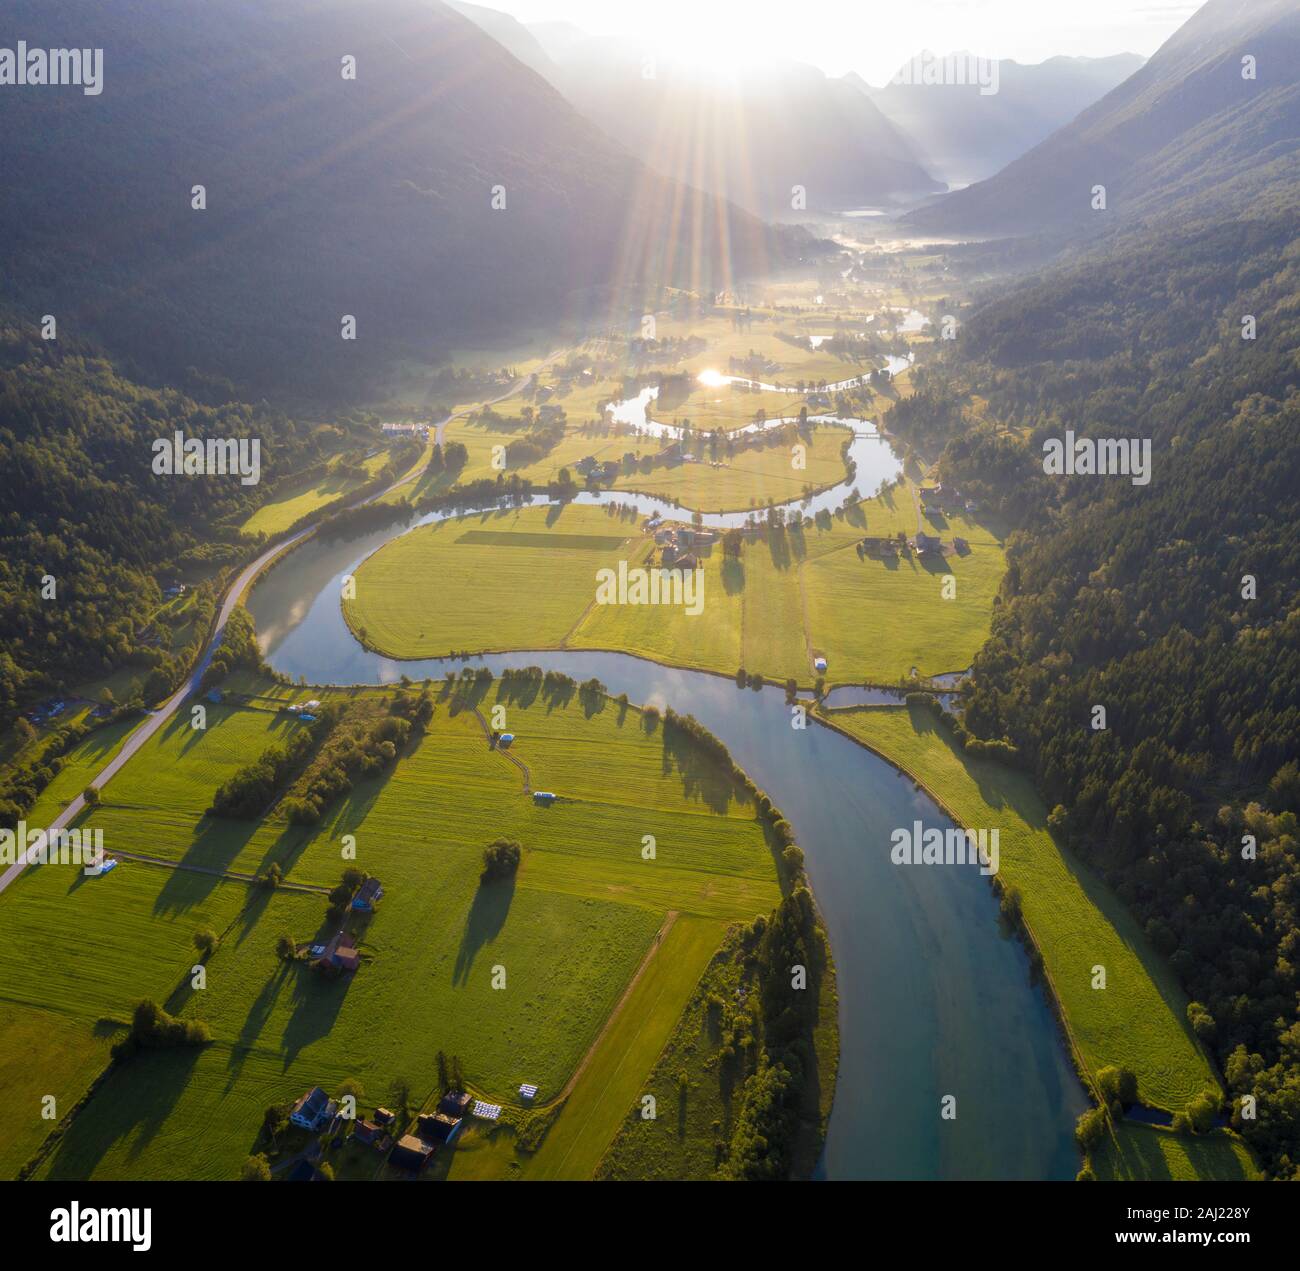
(1117, 1085)
(1203, 1111)
(1202, 1021)
(285, 946)
(205, 940)
(500, 860)
(275, 1120)
(91, 796)
(257, 1169)
(1090, 1128)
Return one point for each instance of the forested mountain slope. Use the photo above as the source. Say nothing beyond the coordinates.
(325, 195)
(83, 507)
(962, 134)
(1174, 605)
(1213, 116)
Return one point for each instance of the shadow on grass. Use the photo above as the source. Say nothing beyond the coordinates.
(487, 915)
(134, 1102)
(703, 776)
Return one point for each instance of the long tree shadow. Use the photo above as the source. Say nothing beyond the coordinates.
(136, 1099)
(703, 777)
(217, 842)
(259, 1013)
(778, 545)
(521, 691)
(317, 999)
(487, 915)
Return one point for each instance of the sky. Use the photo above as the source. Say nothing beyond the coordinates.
(868, 36)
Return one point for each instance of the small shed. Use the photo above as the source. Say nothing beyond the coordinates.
(543, 796)
(410, 1153)
(819, 664)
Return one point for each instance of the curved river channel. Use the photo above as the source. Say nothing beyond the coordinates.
(934, 999)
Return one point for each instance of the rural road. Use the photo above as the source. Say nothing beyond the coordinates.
(158, 717)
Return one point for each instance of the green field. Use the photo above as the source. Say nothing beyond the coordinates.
(1143, 1153)
(569, 932)
(300, 498)
(432, 592)
(1139, 1020)
(751, 478)
(72, 1053)
(789, 598)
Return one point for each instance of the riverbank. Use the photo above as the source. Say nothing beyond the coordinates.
(1074, 924)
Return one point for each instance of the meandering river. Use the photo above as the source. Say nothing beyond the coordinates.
(934, 998)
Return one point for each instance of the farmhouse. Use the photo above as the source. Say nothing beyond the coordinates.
(340, 954)
(925, 543)
(314, 1110)
(368, 896)
(874, 545)
(940, 498)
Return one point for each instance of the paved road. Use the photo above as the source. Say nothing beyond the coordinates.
(159, 717)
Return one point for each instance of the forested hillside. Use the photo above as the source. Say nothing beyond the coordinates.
(963, 135)
(1175, 605)
(385, 160)
(1214, 116)
(83, 506)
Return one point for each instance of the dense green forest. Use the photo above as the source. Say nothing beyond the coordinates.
(1174, 605)
(84, 508)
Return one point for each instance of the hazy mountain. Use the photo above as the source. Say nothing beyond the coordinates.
(325, 195)
(963, 135)
(517, 39)
(1186, 128)
(750, 137)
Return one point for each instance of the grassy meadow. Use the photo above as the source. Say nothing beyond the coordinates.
(789, 598)
(569, 933)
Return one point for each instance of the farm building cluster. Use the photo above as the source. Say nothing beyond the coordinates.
(680, 547)
(410, 1150)
(433, 1132)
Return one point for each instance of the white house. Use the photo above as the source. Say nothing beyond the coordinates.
(314, 1110)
